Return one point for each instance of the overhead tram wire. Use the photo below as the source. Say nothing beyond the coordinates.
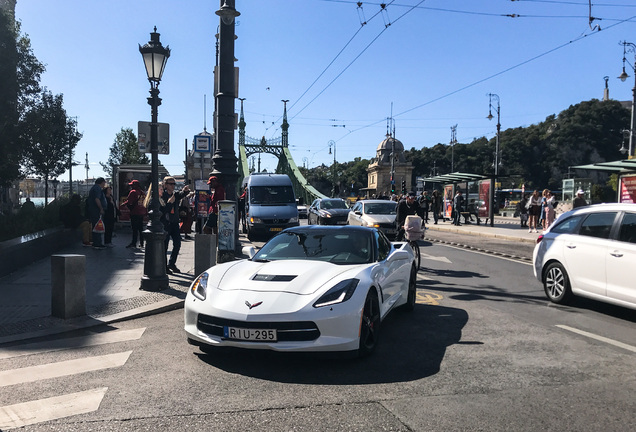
(356, 58)
(490, 77)
(329, 65)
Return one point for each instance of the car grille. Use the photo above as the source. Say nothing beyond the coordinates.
(275, 221)
(288, 331)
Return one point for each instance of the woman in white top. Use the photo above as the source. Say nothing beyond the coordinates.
(534, 210)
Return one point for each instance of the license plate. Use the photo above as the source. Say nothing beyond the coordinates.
(275, 229)
(342, 222)
(257, 335)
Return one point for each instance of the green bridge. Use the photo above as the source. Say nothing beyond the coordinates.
(278, 147)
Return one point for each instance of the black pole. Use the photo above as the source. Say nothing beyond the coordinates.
(154, 278)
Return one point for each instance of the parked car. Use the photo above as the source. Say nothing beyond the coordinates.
(308, 289)
(378, 214)
(302, 209)
(328, 211)
(589, 251)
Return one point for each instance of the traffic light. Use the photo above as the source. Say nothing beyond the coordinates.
(392, 188)
(403, 186)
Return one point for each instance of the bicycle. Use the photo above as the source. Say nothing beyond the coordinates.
(413, 232)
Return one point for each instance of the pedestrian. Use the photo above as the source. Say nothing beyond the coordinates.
(425, 203)
(406, 207)
(96, 206)
(110, 215)
(72, 217)
(135, 203)
(522, 210)
(458, 202)
(218, 194)
(550, 205)
(534, 210)
(241, 208)
(169, 207)
(185, 215)
(579, 201)
(436, 205)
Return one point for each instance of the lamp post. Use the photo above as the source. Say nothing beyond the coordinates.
(491, 208)
(154, 279)
(630, 47)
(332, 143)
(224, 160)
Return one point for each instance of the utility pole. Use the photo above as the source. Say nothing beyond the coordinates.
(452, 143)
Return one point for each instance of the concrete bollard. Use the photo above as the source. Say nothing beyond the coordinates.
(68, 286)
(204, 252)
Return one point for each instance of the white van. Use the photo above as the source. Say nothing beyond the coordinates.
(270, 204)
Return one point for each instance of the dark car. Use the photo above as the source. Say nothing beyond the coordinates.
(328, 211)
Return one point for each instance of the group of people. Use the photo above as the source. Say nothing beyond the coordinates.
(538, 210)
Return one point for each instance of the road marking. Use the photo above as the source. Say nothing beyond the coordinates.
(421, 277)
(599, 338)
(429, 298)
(28, 413)
(77, 342)
(60, 369)
(488, 254)
(435, 258)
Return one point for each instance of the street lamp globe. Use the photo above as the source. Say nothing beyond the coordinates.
(227, 13)
(155, 57)
(623, 76)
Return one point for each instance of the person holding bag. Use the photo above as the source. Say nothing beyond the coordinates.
(96, 206)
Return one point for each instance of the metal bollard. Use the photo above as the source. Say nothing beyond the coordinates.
(204, 252)
(68, 286)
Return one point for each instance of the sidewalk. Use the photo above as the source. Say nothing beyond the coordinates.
(112, 290)
(112, 283)
(505, 228)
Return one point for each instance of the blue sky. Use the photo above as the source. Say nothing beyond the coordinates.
(432, 66)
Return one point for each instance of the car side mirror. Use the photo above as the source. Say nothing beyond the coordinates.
(249, 251)
(358, 212)
(400, 254)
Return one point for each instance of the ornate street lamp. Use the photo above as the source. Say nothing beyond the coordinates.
(491, 208)
(630, 47)
(154, 279)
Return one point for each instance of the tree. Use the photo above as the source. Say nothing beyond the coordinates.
(124, 150)
(20, 73)
(49, 137)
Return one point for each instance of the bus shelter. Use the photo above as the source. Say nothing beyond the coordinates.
(476, 191)
(626, 170)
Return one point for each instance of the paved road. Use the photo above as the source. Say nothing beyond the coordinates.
(482, 351)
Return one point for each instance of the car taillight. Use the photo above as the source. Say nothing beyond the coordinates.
(539, 238)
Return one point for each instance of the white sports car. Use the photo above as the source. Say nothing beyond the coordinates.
(310, 288)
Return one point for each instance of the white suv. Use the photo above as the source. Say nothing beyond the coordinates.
(591, 252)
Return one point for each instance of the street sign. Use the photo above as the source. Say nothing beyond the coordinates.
(163, 137)
(203, 143)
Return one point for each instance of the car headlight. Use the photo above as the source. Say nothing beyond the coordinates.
(255, 220)
(338, 294)
(293, 220)
(200, 286)
(376, 225)
(325, 214)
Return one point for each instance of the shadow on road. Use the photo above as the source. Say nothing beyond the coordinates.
(412, 346)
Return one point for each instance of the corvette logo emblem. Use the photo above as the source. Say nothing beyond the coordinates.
(249, 305)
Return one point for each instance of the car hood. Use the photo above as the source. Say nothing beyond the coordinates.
(379, 218)
(301, 277)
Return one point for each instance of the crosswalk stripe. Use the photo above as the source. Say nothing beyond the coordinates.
(28, 413)
(77, 342)
(60, 369)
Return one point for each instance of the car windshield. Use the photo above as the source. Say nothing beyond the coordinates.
(272, 195)
(335, 246)
(387, 208)
(333, 204)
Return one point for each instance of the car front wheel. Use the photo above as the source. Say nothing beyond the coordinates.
(370, 328)
(556, 284)
(412, 293)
